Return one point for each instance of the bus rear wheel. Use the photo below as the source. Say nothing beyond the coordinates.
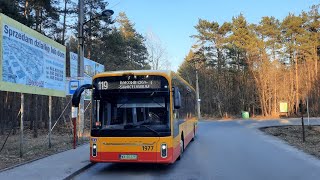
(181, 148)
(194, 133)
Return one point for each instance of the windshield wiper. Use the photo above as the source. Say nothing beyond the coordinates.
(156, 132)
(151, 95)
(123, 103)
(158, 103)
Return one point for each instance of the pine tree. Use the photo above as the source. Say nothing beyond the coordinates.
(135, 48)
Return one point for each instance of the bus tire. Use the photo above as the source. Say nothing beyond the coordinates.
(181, 147)
(194, 133)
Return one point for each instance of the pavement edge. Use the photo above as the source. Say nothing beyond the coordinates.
(71, 176)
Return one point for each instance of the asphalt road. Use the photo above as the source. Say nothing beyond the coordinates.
(225, 150)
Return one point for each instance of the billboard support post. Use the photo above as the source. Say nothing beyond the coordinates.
(50, 118)
(21, 125)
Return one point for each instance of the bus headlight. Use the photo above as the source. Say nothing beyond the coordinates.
(164, 150)
(94, 150)
(163, 146)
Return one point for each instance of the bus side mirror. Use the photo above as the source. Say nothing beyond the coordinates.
(177, 98)
(77, 94)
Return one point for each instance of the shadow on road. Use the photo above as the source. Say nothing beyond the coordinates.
(136, 168)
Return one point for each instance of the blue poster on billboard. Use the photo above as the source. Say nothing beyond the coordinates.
(91, 68)
(73, 65)
(30, 62)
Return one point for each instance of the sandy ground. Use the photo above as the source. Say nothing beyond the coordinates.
(293, 136)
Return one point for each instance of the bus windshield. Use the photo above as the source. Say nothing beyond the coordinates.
(143, 112)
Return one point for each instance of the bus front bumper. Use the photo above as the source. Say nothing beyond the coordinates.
(132, 157)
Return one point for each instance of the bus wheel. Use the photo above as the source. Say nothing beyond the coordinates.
(181, 148)
(194, 133)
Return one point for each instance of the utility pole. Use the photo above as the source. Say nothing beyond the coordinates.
(81, 23)
(197, 94)
(81, 66)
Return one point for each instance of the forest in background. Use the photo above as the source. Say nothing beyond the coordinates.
(254, 67)
(242, 66)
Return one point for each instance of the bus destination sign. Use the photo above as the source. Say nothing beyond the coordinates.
(130, 84)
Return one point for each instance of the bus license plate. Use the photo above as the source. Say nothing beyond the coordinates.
(128, 156)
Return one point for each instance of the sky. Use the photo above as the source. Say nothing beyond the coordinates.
(173, 21)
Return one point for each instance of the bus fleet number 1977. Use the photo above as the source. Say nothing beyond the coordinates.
(147, 148)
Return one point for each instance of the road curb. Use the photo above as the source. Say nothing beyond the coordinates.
(79, 171)
(282, 125)
(33, 160)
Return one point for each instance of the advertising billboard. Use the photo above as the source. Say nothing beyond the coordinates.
(91, 68)
(73, 65)
(29, 61)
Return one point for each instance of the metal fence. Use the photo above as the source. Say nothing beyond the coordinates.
(18, 145)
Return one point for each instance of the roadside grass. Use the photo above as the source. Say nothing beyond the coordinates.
(35, 148)
(293, 136)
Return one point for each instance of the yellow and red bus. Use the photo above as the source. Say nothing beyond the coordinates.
(142, 116)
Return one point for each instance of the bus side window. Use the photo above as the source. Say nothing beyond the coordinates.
(176, 114)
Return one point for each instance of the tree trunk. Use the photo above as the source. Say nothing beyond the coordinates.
(41, 113)
(35, 121)
(11, 112)
(37, 19)
(64, 21)
(316, 98)
(40, 23)
(315, 61)
(2, 123)
(296, 83)
(5, 115)
(275, 97)
(264, 101)
(32, 110)
(89, 42)
(26, 9)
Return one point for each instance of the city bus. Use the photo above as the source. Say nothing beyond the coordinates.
(141, 116)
